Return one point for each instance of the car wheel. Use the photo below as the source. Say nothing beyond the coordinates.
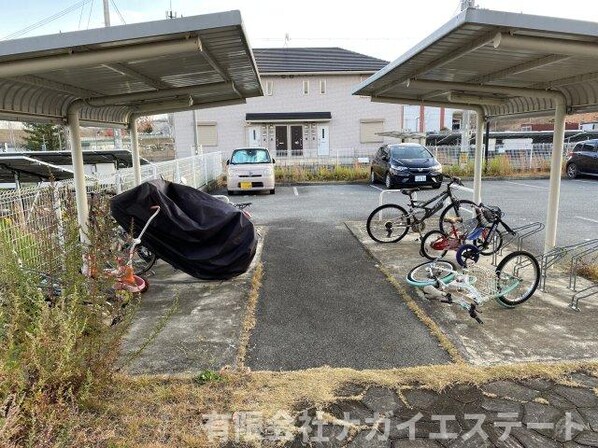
(572, 171)
(437, 186)
(273, 191)
(388, 181)
(372, 177)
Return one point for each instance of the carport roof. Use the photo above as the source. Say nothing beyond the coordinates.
(30, 170)
(152, 67)
(508, 63)
(121, 157)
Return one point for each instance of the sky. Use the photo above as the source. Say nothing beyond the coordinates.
(381, 28)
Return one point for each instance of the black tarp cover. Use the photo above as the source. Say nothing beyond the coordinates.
(194, 231)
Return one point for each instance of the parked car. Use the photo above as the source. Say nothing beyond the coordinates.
(406, 165)
(250, 169)
(583, 159)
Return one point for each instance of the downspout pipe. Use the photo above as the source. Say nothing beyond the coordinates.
(135, 148)
(78, 168)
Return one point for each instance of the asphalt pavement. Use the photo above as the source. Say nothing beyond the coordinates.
(324, 302)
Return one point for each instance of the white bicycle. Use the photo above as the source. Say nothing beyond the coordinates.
(511, 283)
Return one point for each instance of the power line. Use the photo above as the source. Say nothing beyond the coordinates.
(89, 17)
(47, 20)
(118, 12)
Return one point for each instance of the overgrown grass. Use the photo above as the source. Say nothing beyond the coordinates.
(589, 271)
(296, 173)
(497, 167)
(57, 345)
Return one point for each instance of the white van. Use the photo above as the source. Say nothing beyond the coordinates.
(250, 169)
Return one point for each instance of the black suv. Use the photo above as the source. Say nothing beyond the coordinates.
(406, 164)
(583, 159)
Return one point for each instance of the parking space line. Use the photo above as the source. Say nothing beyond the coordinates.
(585, 181)
(587, 219)
(377, 188)
(295, 191)
(525, 185)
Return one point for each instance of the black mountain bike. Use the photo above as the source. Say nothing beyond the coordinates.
(389, 223)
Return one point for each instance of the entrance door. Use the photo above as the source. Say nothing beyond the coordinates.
(296, 140)
(254, 136)
(323, 141)
(282, 141)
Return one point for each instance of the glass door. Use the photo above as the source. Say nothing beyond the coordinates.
(282, 141)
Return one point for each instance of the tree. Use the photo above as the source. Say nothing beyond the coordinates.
(38, 135)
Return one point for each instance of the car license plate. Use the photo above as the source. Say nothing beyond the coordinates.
(420, 178)
(245, 185)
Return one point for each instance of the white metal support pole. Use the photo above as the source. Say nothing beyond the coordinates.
(195, 134)
(479, 155)
(135, 149)
(555, 175)
(79, 170)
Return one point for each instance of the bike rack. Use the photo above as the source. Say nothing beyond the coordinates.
(578, 252)
(521, 233)
(583, 294)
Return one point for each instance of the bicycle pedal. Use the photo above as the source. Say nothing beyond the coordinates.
(448, 299)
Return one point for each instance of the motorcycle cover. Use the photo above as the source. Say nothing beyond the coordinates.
(194, 232)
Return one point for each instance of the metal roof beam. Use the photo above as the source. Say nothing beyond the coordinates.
(57, 86)
(559, 97)
(481, 41)
(545, 45)
(131, 98)
(128, 71)
(87, 58)
(519, 68)
(212, 62)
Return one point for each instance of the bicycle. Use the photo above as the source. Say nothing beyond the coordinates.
(511, 283)
(481, 230)
(389, 223)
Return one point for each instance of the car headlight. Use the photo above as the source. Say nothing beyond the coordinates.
(268, 172)
(436, 168)
(396, 169)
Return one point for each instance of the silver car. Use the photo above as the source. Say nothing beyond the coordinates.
(250, 169)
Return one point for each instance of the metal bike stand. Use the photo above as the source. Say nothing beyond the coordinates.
(521, 233)
(549, 259)
(583, 294)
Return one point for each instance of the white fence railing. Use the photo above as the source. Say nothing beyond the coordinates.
(531, 157)
(31, 218)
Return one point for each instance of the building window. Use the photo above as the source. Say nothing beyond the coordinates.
(306, 87)
(207, 134)
(369, 130)
(269, 88)
(322, 86)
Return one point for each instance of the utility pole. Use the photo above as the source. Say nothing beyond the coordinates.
(106, 13)
(467, 4)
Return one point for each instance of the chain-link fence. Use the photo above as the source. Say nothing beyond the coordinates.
(32, 219)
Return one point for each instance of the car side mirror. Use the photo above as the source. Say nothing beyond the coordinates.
(273, 160)
(228, 162)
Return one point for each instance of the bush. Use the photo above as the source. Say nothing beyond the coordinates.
(57, 345)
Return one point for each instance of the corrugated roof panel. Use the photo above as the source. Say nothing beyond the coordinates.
(47, 94)
(462, 52)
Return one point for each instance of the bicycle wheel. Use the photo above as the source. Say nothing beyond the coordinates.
(467, 254)
(426, 273)
(517, 277)
(465, 209)
(143, 259)
(388, 223)
(434, 244)
(492, 246)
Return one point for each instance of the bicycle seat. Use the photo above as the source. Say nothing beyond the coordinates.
(409, 191)
(453, 219)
